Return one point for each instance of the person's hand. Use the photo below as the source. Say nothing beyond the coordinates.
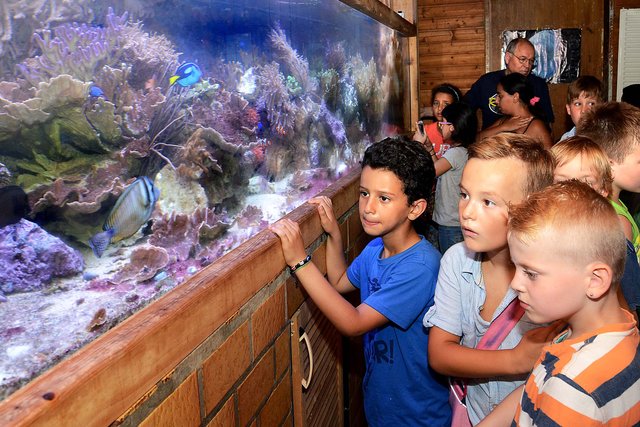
(515, 122)
(327, 217)
(291, 238)
(420, 137)
(529, 348)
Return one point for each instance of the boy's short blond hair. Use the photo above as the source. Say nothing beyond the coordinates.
(590, 153)
(590, 85)
(585, 224)
(614, 126)
(525, 148)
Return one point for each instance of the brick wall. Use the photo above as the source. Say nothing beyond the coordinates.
(241, 375)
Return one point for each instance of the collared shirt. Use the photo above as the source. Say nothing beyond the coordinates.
(460, 295)
(568, 134)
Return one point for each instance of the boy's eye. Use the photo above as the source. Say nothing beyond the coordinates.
(463, 195)
(591, 104)
(363, 193)
(488, 202)
(530, 274)
(384, 198)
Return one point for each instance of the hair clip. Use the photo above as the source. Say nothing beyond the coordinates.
(534, 100)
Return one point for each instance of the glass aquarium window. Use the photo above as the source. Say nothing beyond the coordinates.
(140, 140)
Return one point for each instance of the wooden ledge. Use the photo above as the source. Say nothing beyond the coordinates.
(384, 15)
(102, 380)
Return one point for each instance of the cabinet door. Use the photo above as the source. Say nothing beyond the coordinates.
(316, 350)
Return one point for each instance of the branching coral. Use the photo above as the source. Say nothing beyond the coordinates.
(76, 49)
(18, 19)
(297, 65)
(369, 92)
(274, 98)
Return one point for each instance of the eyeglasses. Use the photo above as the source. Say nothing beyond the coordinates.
(524, 60)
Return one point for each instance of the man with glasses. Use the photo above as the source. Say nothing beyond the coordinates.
(520, 58)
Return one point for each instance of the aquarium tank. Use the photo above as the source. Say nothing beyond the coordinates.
(140, 140)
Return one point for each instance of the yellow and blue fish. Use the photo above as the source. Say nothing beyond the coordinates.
(131, 211)
(186, 75)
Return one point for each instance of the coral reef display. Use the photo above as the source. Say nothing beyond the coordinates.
(87, 106)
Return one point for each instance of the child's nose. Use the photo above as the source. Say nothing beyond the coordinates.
(466, 210)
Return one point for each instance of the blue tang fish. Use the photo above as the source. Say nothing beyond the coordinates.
(131, 211)
(96, 92)
(186, 75)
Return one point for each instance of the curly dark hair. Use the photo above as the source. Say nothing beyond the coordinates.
(408, 160)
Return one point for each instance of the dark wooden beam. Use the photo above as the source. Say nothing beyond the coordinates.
(385, 15)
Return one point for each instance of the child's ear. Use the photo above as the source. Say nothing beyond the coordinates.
(600, 280)
(516, 97)
(568, 109)
(417, 208)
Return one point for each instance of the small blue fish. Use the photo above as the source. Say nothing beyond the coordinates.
(186, 75)
(131, 211)
(96, 92)
(14, 205)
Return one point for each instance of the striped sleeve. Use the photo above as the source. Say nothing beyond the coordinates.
(592, 383)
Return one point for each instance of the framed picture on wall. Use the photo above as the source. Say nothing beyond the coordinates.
(557, 52)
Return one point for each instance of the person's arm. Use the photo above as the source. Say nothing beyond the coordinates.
(538, 129)
(349, 320)
(448, 357)
(442, 165)
(506, 125)
(626, 227)
(504, 413)
(336, 263)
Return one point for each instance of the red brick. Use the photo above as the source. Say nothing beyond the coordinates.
(268, 320)
(283, 352)
(225, 366)
(278, 405)
(256, 387)
(182, 407)
(226, 416)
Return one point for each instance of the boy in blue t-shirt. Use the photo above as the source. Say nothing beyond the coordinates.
(396, 274)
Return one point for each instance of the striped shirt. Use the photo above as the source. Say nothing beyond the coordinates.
(590, 380)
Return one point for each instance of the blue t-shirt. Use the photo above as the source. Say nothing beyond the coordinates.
(630, 282)
(399, 387)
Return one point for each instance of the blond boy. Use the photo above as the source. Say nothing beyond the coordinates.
(580, 158)
(615, 127)
(568, 249)
(583, 94)
(473, 283)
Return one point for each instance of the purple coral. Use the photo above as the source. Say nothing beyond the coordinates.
(76, 49)
(30, 258)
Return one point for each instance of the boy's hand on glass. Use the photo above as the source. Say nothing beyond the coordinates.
(327, 217)
(529, 348)
(291, 238)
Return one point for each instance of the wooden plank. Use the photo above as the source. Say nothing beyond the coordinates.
(450, 35)
(453, 61)
(383, 14)
(102, 380)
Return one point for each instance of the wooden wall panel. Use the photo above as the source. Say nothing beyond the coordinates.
(616, 5)
(589, 15)
(451, 44)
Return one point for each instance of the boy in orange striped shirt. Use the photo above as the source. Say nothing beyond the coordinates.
(569, 251)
